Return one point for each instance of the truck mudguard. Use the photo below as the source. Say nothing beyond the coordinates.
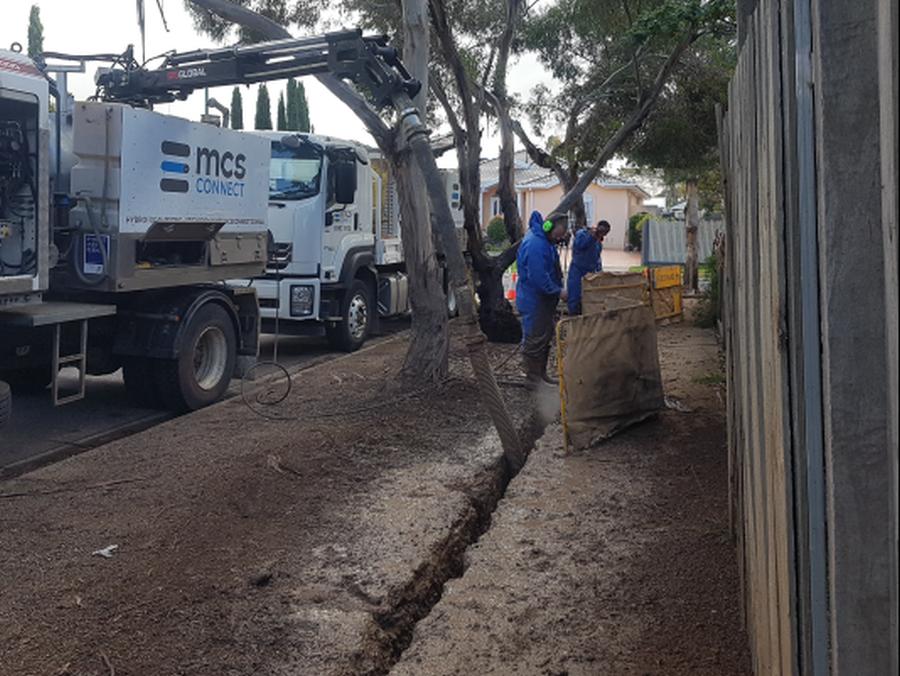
(153, 327)
(357, 258)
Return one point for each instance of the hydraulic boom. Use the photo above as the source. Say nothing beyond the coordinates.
(367, 61)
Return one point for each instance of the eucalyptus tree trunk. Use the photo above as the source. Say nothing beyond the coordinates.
(430, 342)
(691, 226)
(506, 188)
(426, 358)
(496, 316)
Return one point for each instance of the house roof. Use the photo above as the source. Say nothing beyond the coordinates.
(530, 176)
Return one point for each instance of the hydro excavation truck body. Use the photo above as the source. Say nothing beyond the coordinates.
(118, 227)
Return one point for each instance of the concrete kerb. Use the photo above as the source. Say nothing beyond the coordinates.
(71, 448)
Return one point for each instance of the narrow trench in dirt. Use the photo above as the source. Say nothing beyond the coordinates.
(390, 632)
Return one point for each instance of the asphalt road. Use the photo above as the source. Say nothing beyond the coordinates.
(39, 433)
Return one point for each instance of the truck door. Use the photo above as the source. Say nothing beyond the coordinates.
(348, 220)
(297, 206)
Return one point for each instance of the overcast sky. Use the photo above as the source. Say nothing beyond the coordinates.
(95, 26)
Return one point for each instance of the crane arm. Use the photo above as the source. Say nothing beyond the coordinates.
(367, 61)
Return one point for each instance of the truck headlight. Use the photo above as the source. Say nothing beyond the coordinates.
(301, 301)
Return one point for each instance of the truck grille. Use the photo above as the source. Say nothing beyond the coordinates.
(280, 255)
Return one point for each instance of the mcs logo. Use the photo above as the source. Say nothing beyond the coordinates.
(174, 166)
(229, 165)
(217, 173)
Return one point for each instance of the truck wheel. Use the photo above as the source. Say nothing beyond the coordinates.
(140, 382)
(351, 332)
(5, 404)
(206, 357)
(32, 380)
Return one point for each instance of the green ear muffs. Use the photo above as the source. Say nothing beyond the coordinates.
(548, 226)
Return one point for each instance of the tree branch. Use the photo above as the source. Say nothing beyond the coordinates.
(441, 95)
(485, 76)
(539, 156)
(244, 17)
(635, 120)
(454, 61)
(508, 255)
(384, 136)
(264, 26)
(513, 12)
(634, 56)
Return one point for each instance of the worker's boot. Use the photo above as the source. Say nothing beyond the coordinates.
(534, 370)
(546, 377)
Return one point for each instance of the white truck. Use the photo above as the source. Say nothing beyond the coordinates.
(336, 258)
(119, 226)
(115, 243)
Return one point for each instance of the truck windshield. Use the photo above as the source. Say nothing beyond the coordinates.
(294, 173)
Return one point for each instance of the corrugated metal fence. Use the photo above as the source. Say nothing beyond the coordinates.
(664, 241)
(807, 308)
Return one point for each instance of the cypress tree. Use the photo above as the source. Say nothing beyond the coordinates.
(282, 115)
(292, 105)
(35, 32)
(263, 118)
(302, 109)
(237, 109)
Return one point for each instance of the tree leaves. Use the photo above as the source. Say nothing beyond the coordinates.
(680, 137)
(300, 13)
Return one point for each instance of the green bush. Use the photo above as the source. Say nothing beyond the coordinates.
(709, 310)
(636, 230)
(496, 231)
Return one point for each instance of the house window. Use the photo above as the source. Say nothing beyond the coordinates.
(588, 212)
(495, 207)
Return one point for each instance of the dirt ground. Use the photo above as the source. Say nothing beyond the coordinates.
(314, 544)
(612, 561)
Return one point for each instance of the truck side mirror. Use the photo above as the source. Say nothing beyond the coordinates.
(345, 181)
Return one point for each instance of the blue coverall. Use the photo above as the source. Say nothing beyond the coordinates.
(585, 258)
(538, 288)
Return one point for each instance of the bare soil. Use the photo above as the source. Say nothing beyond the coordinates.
(613, 561)
(247, 546)
(317, 543)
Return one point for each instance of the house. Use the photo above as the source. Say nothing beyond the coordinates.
(609, 198)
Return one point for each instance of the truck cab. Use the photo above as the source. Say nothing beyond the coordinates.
(335, 260)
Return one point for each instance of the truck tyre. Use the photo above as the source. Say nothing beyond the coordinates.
(32, 380)
(5, 404)
(202, 371)
(356, 312)
(140, 382)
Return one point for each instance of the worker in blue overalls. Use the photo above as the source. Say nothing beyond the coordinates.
(538, 292)
(586, 249)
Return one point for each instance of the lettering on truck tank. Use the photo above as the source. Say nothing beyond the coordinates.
(215, 186)
(215, 170)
